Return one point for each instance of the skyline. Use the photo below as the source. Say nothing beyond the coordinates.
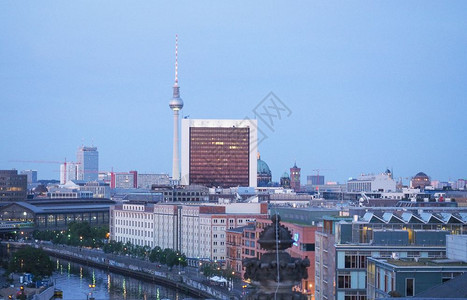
(370, 86)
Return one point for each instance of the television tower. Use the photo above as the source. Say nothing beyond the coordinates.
(176, 104)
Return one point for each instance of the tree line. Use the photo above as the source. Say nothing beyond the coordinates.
(83, 234)
(77, 234)
(165, 256)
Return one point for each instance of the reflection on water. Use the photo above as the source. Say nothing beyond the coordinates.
(80, 282)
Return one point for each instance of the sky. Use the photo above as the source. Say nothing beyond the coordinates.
(368, 85)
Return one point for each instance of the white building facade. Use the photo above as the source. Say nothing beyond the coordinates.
(372, 183)
(132, 223)
(145, 181)
(198, 231)
(68, 171)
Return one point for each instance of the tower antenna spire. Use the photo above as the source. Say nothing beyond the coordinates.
(176, 60)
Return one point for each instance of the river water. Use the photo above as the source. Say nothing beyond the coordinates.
(74, 280)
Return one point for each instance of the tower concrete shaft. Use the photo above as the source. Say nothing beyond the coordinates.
(176, 156)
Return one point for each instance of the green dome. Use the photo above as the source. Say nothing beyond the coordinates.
(263, 167)
(285, 175)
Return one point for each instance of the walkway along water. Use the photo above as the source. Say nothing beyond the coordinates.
(190, 283)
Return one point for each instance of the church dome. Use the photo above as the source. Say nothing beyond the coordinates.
(420, 180)
(263, 167)
(264, 177)
(285, 175)
(421, 175)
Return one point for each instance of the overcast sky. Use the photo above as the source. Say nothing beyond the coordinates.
(370, 84)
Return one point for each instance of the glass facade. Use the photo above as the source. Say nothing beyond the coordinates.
(219, 156)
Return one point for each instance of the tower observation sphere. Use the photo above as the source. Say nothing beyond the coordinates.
(176, 103)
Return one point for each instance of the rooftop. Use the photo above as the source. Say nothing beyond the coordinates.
(424, 262)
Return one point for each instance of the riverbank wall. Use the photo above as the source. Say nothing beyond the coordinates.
(142, 270)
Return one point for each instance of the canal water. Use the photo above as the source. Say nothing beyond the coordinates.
(81, 282)
(75, 279)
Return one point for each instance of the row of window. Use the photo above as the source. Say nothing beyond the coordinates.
(134, 223)
(130, 215)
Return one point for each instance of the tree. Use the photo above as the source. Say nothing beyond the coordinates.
(31, 260)
(155, 255)
(182, 260)
(211, 269)
(171, 258)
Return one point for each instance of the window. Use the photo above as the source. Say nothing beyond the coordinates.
(409, 287)
(343, 281)
(307, 247)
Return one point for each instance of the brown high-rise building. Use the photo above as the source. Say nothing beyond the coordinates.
(295, 178)
(219, 153)
(13, 186)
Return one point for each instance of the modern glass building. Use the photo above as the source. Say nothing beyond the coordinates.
(88, 163)
(219, 153)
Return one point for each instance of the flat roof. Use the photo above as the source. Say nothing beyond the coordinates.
(422, 262)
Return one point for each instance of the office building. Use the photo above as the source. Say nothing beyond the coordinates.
(99, 189)
(32, 175)
(456, 247)
(325, 253)
(408, 277)
(68, 172)
(198, 231)
(146, 181)
(404, 234)
(372, 183)
(124, 180)
(461, 184)
(315, 180)
(13, 186)
(183, 193)
(219, 153)
(88, 163)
